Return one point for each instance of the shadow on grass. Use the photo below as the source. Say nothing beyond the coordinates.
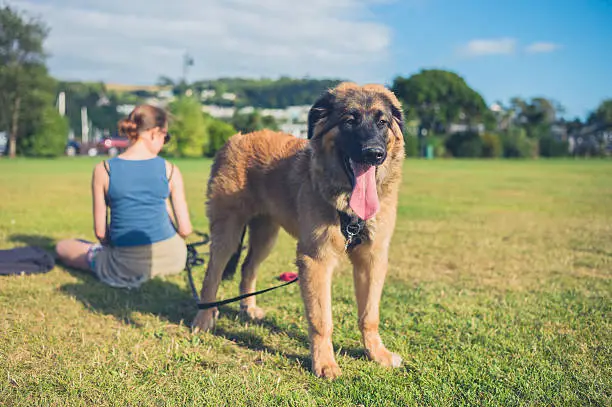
(267, 322)
(158, 297)
(256, 342)
(44, 242)
(174, 304)
(164, 299)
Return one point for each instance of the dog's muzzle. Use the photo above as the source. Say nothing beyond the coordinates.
(373, 155)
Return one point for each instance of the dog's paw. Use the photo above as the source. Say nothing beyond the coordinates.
(328, 371)
(204, 321)
(253, 313)
(385, 358)
(396, 360)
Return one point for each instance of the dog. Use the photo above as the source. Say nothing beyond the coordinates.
(335, 192)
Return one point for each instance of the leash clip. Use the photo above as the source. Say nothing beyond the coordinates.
(352, 230)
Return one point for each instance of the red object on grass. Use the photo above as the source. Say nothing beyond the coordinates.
(288, 276)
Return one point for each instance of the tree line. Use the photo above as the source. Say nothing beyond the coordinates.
(26, 88)
(445, 116)
(453, 120)
(259, 93)
(35, 127)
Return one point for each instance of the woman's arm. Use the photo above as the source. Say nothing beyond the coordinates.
(169, 208)
(181, 212)
(99, 184)
(170, 211)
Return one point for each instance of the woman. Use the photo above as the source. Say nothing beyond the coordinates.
(141, 190)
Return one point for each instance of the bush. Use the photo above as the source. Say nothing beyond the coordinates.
(492, 146)
(551, 147)
(219, 133)
(516, 144)
(464, 144)
(437, 142)
(411, 145)
(590, 147)
(190, 137)
(254, 121)
(50, 137)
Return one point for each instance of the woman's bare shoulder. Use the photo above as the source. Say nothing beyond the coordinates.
(100, 171)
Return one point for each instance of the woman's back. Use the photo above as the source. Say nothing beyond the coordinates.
(137, 193)
(142, 241)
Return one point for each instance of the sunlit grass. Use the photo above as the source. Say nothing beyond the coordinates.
(498, 293)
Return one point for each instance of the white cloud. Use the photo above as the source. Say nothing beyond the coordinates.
(542, 47)
(494, 46)
(503, 46)
(136, 41)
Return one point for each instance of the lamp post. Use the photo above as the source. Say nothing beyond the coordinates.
(187, 62)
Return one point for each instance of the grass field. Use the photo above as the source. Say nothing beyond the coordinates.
(499, 293)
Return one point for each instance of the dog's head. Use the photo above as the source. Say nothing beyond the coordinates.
(359, 126)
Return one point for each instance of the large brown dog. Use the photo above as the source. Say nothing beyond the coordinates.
(347, 175)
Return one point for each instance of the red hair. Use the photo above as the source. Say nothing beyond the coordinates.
(143, 117)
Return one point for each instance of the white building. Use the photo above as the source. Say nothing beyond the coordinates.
(219, 111)
(299, 130)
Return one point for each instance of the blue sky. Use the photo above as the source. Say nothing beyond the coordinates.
(557, 49)
(577, 72)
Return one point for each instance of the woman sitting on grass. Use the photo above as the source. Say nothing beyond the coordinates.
(141, 240)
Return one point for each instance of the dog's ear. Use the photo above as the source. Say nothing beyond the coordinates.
(396, 109)
(398, 115)
(319, 110)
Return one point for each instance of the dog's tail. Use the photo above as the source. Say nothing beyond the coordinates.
(232, 264)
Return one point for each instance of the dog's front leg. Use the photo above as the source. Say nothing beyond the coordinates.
(315, 273)
(369, 270)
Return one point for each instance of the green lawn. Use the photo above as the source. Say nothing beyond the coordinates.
(499, 293)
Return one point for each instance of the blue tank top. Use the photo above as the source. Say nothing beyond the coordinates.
(137, 195)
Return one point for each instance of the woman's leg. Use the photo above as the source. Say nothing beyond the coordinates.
(74, 253)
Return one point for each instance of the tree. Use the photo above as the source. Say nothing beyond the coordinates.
(22, 59)
(165, 81)
(491, 145)
(49, 139)
(189, 129)
(411, 145)
(265, 93)
(516, 144)
(269, 122)
(574, 126)
(220, 132)
(100, 103)
(253, 121)
(535, 116)
(34, 103)
(464, 144)
(439, 98)
(603, 114)
(548, 146)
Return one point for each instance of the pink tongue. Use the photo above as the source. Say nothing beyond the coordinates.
(364, 199)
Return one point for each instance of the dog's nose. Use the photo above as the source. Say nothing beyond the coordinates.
(373, 155)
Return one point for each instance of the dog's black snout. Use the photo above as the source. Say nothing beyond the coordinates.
(373, 155)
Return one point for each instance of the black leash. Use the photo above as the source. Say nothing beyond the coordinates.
(207, 305)
(352, 228)
(194, 260)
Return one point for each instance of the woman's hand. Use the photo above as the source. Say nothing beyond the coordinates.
(104, 238)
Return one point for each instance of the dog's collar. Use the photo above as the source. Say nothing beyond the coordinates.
(352, 228)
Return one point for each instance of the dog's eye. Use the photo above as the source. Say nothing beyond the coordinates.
(382, 122)
(350, 121)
